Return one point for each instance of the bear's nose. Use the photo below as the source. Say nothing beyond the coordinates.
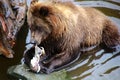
(33, 41)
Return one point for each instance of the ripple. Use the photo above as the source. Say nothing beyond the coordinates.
(98, 4)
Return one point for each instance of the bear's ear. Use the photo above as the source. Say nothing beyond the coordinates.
(44, 11)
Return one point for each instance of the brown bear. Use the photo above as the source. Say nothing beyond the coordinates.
(63, 29)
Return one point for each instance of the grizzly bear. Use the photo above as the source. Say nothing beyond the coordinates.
(63, 29)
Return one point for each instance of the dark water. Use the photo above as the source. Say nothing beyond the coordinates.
(98, 64)
(19, 49)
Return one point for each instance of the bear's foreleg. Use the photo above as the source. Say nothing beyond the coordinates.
(55, 62)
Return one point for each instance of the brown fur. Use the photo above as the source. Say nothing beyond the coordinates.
(5, 47)
(63, 29)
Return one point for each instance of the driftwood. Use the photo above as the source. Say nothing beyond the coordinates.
(13, 12)
(12, 17)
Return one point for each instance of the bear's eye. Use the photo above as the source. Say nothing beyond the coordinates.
(36, 28)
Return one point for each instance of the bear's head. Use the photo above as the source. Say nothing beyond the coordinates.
(48, 19)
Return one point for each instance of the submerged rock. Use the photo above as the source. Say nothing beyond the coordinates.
(22, 72)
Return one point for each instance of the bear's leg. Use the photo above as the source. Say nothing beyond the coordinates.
(55, 62)
(110, 35)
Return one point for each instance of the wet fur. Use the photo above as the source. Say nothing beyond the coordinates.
(63, 29)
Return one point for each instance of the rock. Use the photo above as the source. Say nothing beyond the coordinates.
(22, 72)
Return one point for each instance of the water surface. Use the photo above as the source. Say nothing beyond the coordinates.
(99, 64)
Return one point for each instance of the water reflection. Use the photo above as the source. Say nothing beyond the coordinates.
(103, 4)
(99, 64)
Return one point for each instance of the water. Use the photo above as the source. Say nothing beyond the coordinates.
(98, 64)
(19, 49)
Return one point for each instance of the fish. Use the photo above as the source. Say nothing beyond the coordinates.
(34, 63)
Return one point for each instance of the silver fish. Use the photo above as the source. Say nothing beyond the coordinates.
(34, 63)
